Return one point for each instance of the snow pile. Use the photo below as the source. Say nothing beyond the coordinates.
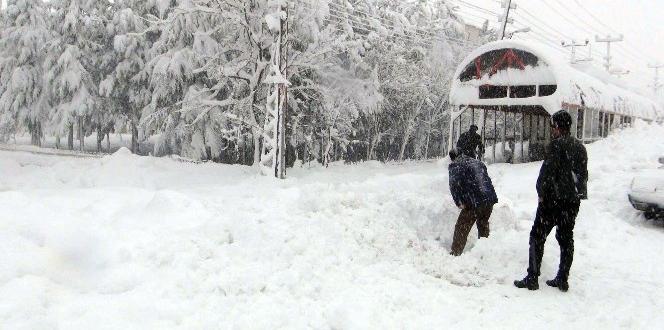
(127, 242)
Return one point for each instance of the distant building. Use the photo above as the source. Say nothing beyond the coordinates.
(473, 33)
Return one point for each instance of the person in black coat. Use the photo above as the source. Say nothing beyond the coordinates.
(561, 185)
(470, 143)
(473, 192)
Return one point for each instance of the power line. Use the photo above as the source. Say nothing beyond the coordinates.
(527, 17)
(365, 24)
(549, 42)
(368, 27)
(416, 31)
(588, 28)
(566, 18)
(545, 31)
(594, 17)
(550, 29)
(544, 34)
(546, 40)
(476, 16)
(387, 22)
(592, 28)
(474, 21)
(628, 52)
(484, 10)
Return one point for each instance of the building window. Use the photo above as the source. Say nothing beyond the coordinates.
(493, 92)
(547, 90)
(520, 92)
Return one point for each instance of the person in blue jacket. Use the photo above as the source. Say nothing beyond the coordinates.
(473, 192)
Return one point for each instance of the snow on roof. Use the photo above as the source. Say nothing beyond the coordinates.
(580, 85)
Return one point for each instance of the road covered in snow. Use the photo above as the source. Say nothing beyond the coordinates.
(127, 242)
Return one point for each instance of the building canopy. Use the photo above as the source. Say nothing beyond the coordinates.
(520, 73)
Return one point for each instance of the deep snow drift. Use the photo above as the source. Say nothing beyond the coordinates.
(128, 242)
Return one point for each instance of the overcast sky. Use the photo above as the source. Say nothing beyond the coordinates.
(640, 21)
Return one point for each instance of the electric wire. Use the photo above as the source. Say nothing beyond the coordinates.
(364, 24)
(392, 24)
(470, 5)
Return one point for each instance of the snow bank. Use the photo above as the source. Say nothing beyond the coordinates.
(127, 242)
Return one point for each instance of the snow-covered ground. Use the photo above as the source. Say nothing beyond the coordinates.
(116, 142)
(127, 242)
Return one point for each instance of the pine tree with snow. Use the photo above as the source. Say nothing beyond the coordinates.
(99, 62)
(126, 83)
(180, 88)
(71, 92)
(24, 36)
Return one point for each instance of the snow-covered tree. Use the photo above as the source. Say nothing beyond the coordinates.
(6, 118)
(126, 85)
(71, 88)
(22, 42)
(394, 54)
(179, 85)
(99, 63)
(368, 79)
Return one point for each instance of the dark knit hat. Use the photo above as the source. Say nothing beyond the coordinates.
(561, 120)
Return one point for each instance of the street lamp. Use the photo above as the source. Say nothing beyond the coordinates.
(522, 30)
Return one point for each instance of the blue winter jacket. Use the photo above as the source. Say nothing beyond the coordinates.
(470, 183)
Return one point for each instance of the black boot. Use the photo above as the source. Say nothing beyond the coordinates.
(528, 282)
(559, 283)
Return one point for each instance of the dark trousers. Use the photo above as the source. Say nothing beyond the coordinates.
(561, 215)
(467, 218)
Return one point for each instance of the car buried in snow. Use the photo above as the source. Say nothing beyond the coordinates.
(647, 193)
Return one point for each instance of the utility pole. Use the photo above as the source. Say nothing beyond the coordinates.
(656, 85)
(273, 154)
(572, 45)
(609, 39)
(505, 18)
(280, 170)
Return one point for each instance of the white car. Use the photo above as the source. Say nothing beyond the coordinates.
(647, 193)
